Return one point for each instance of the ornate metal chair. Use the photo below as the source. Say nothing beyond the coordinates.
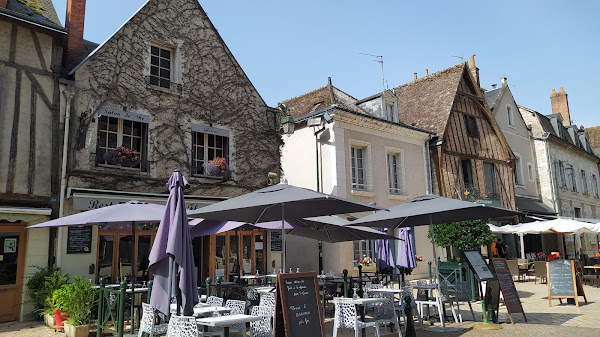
(214, 301)
(262, 328)
(182, 326)
(345, 317)
(147, 324)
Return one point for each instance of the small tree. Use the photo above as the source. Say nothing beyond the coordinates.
(462, 235)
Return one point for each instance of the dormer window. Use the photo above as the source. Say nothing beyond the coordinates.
(390, 112)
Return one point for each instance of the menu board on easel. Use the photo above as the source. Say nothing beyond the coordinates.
(507, 286)
(298, 309)
(563, 282)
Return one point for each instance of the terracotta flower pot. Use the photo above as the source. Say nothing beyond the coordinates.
(59, 317)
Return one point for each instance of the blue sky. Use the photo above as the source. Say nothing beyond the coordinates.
(288, 48)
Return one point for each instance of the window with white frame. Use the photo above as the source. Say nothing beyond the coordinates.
(395, 173)
(390, 112)
(595, 186)
(205, 148)
(359, 176)
(584, 184)
(121, 142)
(510, 116)
(363, 248)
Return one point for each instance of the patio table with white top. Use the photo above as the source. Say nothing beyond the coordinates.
(205, 310)
(226, 321)
(360, 302)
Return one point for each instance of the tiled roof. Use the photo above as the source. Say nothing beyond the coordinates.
(39, 11)
(427, 101)
(593, 134)
(319, 99)
(492, 97)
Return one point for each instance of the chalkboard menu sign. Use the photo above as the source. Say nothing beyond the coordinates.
(507, 286)
(298, 306)
(276, 245)
(79, 240)
(563, 282)
(478, 265)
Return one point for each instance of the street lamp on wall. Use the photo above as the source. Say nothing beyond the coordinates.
(285, 121)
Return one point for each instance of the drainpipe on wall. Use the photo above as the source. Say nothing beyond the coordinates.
(428, 166)
(554, 196)
(63, 172)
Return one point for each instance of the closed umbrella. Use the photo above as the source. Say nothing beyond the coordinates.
(405, 252)
(171, 257)
(385, 257)
(279, 203)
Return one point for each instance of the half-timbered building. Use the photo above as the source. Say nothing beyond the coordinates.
(30, 62)
(470, 157)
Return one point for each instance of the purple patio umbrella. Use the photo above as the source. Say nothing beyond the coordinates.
(405, 252)
(171, 257)
(385, 258)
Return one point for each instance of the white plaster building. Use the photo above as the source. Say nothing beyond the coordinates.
(567, 168)
(355, 150)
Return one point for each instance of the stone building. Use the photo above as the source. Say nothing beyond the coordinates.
(30, 63)
(567, 167)
(354, 149)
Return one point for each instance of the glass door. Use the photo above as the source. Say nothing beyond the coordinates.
(12, 260)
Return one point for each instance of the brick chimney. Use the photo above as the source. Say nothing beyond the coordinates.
(560, 105)
(475, 71)
(74, 24)
(414, 76)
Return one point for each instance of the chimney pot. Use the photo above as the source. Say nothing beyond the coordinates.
(504, 82)
(561, 89)
(475, 71)
(473, 61)
(329, 80)
(415, 76)
(553, 91)
(581, 128)
(426, 72)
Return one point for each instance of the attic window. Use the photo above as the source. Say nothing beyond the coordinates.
(471, 126)
(160, 66)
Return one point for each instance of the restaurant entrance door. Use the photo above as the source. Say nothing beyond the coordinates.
(235, 251)
(114, 252)
(12, 267)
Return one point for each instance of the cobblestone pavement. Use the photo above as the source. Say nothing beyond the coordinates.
(543, 320)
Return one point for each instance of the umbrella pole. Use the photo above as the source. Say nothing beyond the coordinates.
(132, 272)
(283, 236)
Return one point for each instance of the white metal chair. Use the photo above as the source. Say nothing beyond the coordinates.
(264, 327)
(237, 307)
(436, 301)
(446, 298)
(386, 313)
(214, 301)
(345, 317)
(147, 324)
(367, 293)
(267, 299)
(182, 326)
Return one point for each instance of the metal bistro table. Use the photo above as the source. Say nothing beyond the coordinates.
(226, 321)
(202, 311)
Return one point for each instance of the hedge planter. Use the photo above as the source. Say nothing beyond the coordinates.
(49, 320)
(77, 331)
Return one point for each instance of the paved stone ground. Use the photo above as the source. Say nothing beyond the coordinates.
(543, 320)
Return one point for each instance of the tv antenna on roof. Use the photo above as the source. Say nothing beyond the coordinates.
(380, 61)
(462, 59)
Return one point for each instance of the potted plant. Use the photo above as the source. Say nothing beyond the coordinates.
(57, 303)
(368, 265)
(217, 167)
(122, 156)
(79, 301)
(40, 286)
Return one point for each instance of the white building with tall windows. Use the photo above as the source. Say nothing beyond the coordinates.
(567, 170)
(355, 149)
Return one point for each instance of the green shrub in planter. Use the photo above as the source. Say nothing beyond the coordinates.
(59, 297)
(40, 286)
(79, 300)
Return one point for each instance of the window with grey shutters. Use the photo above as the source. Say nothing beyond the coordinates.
(490, 180)
(584, 184)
